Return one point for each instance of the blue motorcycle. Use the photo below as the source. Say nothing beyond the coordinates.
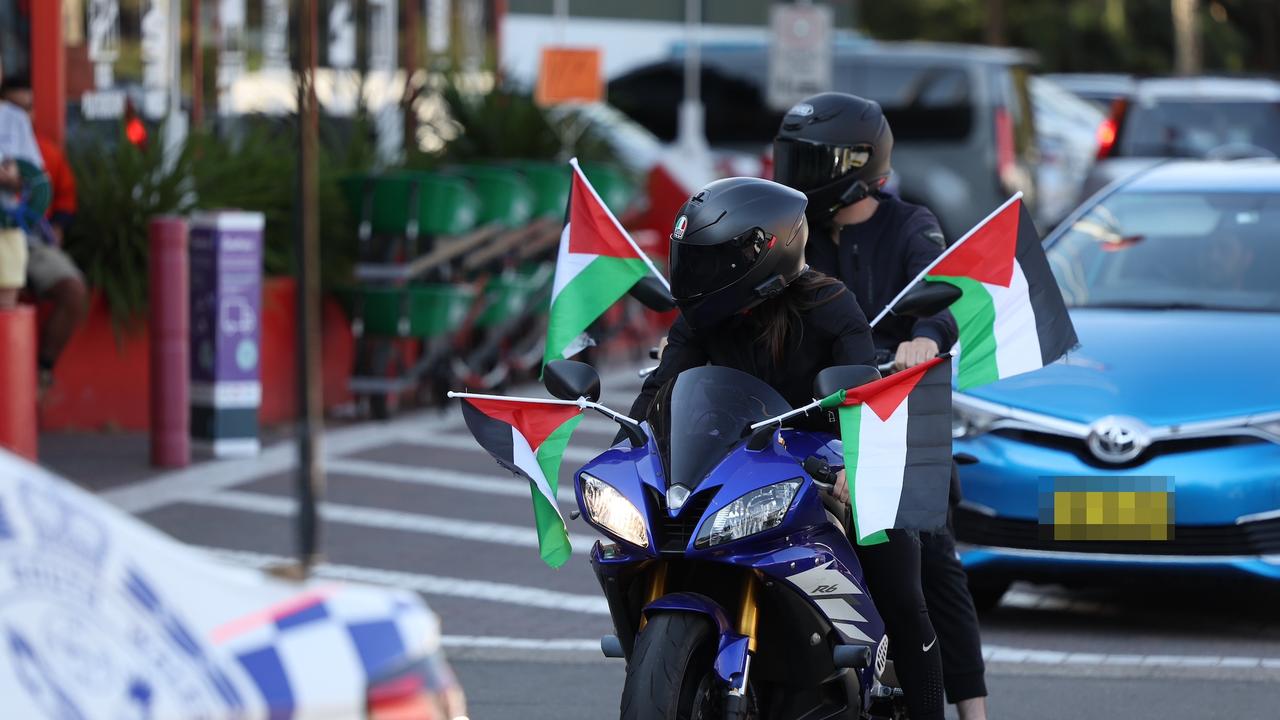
(734, 590)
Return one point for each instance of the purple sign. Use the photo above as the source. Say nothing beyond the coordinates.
(226, 335)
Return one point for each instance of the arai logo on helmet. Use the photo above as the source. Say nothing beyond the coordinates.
(681, 223)
(801, 110)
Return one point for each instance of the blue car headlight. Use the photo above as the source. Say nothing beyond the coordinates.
(612, 511)
(754, 512)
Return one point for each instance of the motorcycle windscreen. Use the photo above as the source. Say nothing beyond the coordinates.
(698, 417)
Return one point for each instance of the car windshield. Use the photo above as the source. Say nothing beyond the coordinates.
(698, 417)
(1212, 251)
(1199, 128)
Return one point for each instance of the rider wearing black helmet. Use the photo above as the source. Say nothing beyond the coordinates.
(836, 148)
(748, 301)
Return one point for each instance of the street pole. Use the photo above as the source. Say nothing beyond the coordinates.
(1186, 37)
(307, 254)
(691, 131)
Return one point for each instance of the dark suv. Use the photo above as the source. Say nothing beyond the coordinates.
(964, 137)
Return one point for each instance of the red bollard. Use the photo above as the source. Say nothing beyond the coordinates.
(19, 424)
(170, 343)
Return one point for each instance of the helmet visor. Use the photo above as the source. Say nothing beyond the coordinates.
(808, 166)
(699, 269)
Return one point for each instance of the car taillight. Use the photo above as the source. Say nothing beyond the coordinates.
(1106, 137)
(1109, 129)
(403, 697)
(1006, 154)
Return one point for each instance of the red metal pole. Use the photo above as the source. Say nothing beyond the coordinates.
(48, 70)
(19, 426)
(170, 343)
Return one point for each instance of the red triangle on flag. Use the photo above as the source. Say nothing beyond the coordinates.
(885, 395)
(535, 421)
(989, 253)
(592, 230)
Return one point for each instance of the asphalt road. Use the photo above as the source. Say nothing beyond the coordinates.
(414, 502)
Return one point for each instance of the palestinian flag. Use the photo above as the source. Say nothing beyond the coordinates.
(597, 264)
(1012, 318)
(897, 449)
(528, 438)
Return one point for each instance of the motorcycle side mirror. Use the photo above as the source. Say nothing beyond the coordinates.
(843, 377)
(927, 298)
(651, 293)
(570, 380)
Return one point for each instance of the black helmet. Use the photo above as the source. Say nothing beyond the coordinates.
(736, 243)
(835, 148)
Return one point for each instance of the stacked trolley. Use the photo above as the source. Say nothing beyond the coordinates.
(454, 274)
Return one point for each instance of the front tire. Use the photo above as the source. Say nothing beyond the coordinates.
(670, 676)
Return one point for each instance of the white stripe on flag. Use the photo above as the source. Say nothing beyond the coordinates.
(1017, 340)
(568, 265)
(526, 460)
(882, 458)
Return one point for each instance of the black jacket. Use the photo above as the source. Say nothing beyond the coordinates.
(832, 332)
(877, 258)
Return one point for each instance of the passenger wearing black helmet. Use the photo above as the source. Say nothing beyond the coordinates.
(836, 149)
(748, 301)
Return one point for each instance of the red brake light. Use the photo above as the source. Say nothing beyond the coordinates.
(135, 131)
(1106, 137)
(1004, 142)
(1109, 129)
(403, 697)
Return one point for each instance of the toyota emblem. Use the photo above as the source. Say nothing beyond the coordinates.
(1116, 439)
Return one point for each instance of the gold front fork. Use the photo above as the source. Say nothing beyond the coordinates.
(657, 587)
(748, 612)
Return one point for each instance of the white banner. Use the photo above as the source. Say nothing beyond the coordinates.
(104, 102)
(438, 30)
(156, 72)
(275, 35)
(800, 53)
(471, 22)
(231, 17)
(342, 35)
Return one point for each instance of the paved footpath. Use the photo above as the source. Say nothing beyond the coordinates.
(415, 503)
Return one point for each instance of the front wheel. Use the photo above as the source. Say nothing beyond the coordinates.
(671, 674)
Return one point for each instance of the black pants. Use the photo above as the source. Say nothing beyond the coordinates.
(946, 592)
(892, 571)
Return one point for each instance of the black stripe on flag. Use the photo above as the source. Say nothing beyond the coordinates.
(1053, 324)
(926, 481)
(493, 435)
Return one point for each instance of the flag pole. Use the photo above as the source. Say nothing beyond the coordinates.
(788, 415)
(653, 268)
(888, 308)
(582, 403)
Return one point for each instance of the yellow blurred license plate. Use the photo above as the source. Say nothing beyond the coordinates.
(1130, 509)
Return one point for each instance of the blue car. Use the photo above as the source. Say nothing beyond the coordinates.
(1172, 277)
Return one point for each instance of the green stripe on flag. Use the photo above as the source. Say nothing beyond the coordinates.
(835, 399)
(850, 425)
(586, 297)
(975, 315)
(553, 536)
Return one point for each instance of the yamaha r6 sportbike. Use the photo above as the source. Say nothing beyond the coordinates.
(734, 590)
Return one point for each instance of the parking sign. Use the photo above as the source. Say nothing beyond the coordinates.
(800, 51)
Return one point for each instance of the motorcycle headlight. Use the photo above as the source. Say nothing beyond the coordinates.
(967, 422)
(608, 508)
(754, 512)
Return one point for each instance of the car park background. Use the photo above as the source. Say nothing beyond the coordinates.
(407, 502)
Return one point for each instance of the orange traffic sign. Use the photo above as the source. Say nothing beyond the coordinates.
(569, 75)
